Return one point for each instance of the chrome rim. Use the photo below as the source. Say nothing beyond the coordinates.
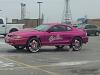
(77, 45)
(33, 46)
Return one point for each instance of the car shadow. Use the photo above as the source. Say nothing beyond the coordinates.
(41, 50)
(53, 50)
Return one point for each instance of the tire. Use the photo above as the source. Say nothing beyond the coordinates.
(19, 47)
(13, 30)
(59, 46)
(33, 45)
(76, 44)
(5, 35)
(97, 33)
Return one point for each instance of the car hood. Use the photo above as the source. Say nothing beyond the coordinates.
(25, 32)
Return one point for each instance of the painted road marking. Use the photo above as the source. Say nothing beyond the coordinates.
(14, 68)
(54, 64)
(71, 63)
(5, 64)
(29, 66)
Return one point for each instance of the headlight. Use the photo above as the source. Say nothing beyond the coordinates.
(17, 37)
(86, 34)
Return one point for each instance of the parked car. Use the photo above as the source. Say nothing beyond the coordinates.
(51, 34)
(90, 29)
(7, 28)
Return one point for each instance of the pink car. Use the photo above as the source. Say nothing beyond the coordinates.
(51, 34)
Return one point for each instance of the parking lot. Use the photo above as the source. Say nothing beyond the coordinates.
(50, 61)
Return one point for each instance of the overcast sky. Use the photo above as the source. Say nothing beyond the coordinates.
(52, 9)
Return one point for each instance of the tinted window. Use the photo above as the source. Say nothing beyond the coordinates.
(68, 28)
(1, 21)
(42, 27)
(57, 28)
(90, 26)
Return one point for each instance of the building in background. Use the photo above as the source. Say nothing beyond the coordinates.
(28, 22)
(94, 21)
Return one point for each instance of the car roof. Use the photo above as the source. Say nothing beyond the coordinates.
(84, 25)
(56, 24)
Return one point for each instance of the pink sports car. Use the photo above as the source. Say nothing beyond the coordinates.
(51, 34)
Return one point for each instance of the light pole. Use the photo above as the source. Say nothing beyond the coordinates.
(39, 13)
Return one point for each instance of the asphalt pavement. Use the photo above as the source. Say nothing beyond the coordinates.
(50, 61)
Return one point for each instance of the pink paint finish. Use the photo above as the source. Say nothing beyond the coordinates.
(47, 34)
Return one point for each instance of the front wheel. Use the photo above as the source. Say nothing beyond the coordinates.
(33, 45)
(76, 44)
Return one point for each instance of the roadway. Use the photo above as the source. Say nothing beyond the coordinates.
(50, 61)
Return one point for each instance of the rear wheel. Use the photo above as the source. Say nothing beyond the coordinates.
(76, 44)
(33, 45)
(19, 47)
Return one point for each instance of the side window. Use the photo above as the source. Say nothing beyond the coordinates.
(1, 21)
(90, 26)
(61, 28)
(93, 26)
(68, 28)
(54, 29)
(87, 26)
(57, 28)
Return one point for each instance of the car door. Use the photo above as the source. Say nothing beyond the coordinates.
(58, 35)
(2, 27)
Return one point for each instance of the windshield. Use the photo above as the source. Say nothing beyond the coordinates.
(42, 27)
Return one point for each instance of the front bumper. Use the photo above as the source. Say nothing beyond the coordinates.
(85, 39)
(12, 41)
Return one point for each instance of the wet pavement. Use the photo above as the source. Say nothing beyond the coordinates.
(50, 61)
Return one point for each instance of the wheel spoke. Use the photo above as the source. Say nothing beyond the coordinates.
(33, 45)
(77, 44)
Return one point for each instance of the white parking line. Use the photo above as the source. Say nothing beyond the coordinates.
(5, 64)
(71, 63)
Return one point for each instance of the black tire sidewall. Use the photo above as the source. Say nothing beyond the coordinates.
(80, 40)
(13, 30)
(27, 47)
